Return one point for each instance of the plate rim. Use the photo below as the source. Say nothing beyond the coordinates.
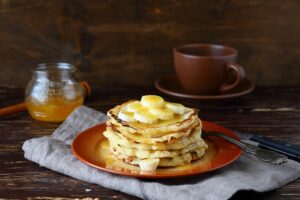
(152, 176)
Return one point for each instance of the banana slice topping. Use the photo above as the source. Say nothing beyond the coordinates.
(135, 106)
(152, 101)
(145, 116)
(126, 116)
(162, 113)
(176, 108)
(150, 109)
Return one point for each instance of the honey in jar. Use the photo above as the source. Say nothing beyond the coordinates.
(53, 93)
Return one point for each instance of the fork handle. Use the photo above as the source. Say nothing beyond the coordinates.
(280, 146)
(262, 154)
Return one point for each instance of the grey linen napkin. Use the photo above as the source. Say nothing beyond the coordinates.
(246, 173)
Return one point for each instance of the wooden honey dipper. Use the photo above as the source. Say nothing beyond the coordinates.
(9, 110)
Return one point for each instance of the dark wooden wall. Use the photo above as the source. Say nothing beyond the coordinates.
(129, 42)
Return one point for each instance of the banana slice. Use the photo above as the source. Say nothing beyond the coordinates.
(152, 101)
(134, 106)
(162, 113)
(145, 116)
(149, 164)
(126, 116)
(176, 108)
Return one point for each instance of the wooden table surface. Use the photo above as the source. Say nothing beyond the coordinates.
(271, 111)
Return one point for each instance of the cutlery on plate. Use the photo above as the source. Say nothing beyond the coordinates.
(262, 154)
(292, 151)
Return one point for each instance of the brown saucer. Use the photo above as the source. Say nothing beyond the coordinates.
(170, 85)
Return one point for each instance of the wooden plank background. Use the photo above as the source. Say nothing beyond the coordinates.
(129, 42)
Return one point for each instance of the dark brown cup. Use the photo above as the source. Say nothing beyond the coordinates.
(204, 68)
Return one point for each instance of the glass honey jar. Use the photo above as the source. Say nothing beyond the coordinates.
(53, 93)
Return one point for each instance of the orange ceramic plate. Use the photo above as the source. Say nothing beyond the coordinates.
(91, 147)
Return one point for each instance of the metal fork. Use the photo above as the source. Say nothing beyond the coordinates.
(262, 154)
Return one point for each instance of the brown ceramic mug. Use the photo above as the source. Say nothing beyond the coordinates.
(204, 68)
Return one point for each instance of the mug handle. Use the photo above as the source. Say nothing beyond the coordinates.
(240, 75)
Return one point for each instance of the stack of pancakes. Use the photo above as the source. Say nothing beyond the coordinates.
(153, 133)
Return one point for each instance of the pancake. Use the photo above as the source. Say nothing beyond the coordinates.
(143, 154)
(175, 144)
(167, 162)
(179, 123)
(169, 137)
(154, 133)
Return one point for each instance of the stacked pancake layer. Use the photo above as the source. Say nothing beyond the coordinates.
(153, 133)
